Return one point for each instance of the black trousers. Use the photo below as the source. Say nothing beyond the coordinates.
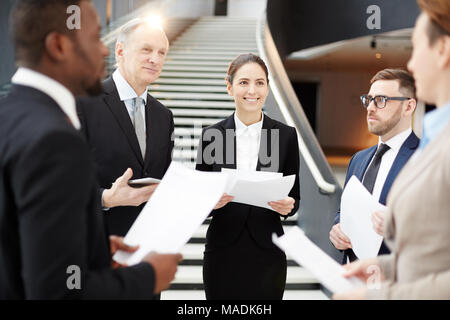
(244, 271)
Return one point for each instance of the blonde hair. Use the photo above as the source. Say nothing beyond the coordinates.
(439, 13)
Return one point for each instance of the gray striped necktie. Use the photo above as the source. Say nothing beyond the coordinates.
(139, 124)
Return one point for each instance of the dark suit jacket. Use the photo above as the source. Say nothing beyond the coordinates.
(49, 213)
(228, 221)
(109, 131)
(358, 166)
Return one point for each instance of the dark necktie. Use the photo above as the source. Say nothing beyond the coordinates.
(372, 171)
(369, 181)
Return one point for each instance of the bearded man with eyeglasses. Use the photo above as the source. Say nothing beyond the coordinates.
(390, 105)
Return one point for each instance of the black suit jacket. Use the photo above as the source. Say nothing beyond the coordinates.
(109, 131)
(49, 213)
(228, 221)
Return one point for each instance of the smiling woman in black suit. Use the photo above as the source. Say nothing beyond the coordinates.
(240, 260)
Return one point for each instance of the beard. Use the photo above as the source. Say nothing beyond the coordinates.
(381, 128)
(89, 86)
(95, 89)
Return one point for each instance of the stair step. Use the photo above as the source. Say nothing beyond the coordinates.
(202, 113)
(217, 31)
(201, 232)
(236, 40)
(170, 62)
(213, 75)
(184, 154)
(181, 142)
(191, 132)
(199, 56)
(220, 82)
(194, 68)
(199, 104)
(194, 251)
(196, 121)
(193, 275)
(192, 96)
(183, 88)
(201, 53)
(187, 262)
(218, 47)
(226, 58)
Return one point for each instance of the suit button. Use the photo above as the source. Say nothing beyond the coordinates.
(145, 173)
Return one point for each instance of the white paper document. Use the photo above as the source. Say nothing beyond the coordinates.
(177, 208)
(357, 206)
(298, 246)
(257, 188)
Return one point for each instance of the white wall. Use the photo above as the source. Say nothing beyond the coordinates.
(246, 8)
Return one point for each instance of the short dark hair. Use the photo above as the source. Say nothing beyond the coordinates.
(31, 21)
(438, 12)
(405, 79)
(242, 59)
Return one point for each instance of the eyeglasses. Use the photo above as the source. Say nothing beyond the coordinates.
(380, 101)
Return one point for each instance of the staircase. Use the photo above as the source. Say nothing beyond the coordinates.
(192, 85)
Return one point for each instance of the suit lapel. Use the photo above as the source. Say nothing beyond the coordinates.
(152, 128)
(229, 124)
(405, 152)
(365, 163)
(122, 116)
(265, 143)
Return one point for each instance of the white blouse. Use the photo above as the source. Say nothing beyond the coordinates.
(247, 143)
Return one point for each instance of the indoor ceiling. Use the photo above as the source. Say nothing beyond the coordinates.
(391, 49)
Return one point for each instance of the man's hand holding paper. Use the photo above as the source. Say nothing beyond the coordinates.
(307, 254)
(164, 225)
(339, 239)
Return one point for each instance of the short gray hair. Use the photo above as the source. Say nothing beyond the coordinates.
(128, 28)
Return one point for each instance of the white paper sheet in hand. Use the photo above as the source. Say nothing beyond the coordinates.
(257, 188)
(235, 174)
(298, 246)
(357, 206)
(177, 208)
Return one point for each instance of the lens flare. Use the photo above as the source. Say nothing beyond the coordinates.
(155, 21)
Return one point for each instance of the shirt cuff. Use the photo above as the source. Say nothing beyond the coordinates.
(101, 201)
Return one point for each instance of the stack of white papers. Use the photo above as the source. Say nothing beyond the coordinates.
(357, 206)
(297, 245)
(177, 208)
(257, 188)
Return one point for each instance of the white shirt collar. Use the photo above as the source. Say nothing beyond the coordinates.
(395, 143)
(62, 96)
(254, 128)
(126, 92)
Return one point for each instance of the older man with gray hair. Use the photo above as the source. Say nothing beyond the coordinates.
(129, 131)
